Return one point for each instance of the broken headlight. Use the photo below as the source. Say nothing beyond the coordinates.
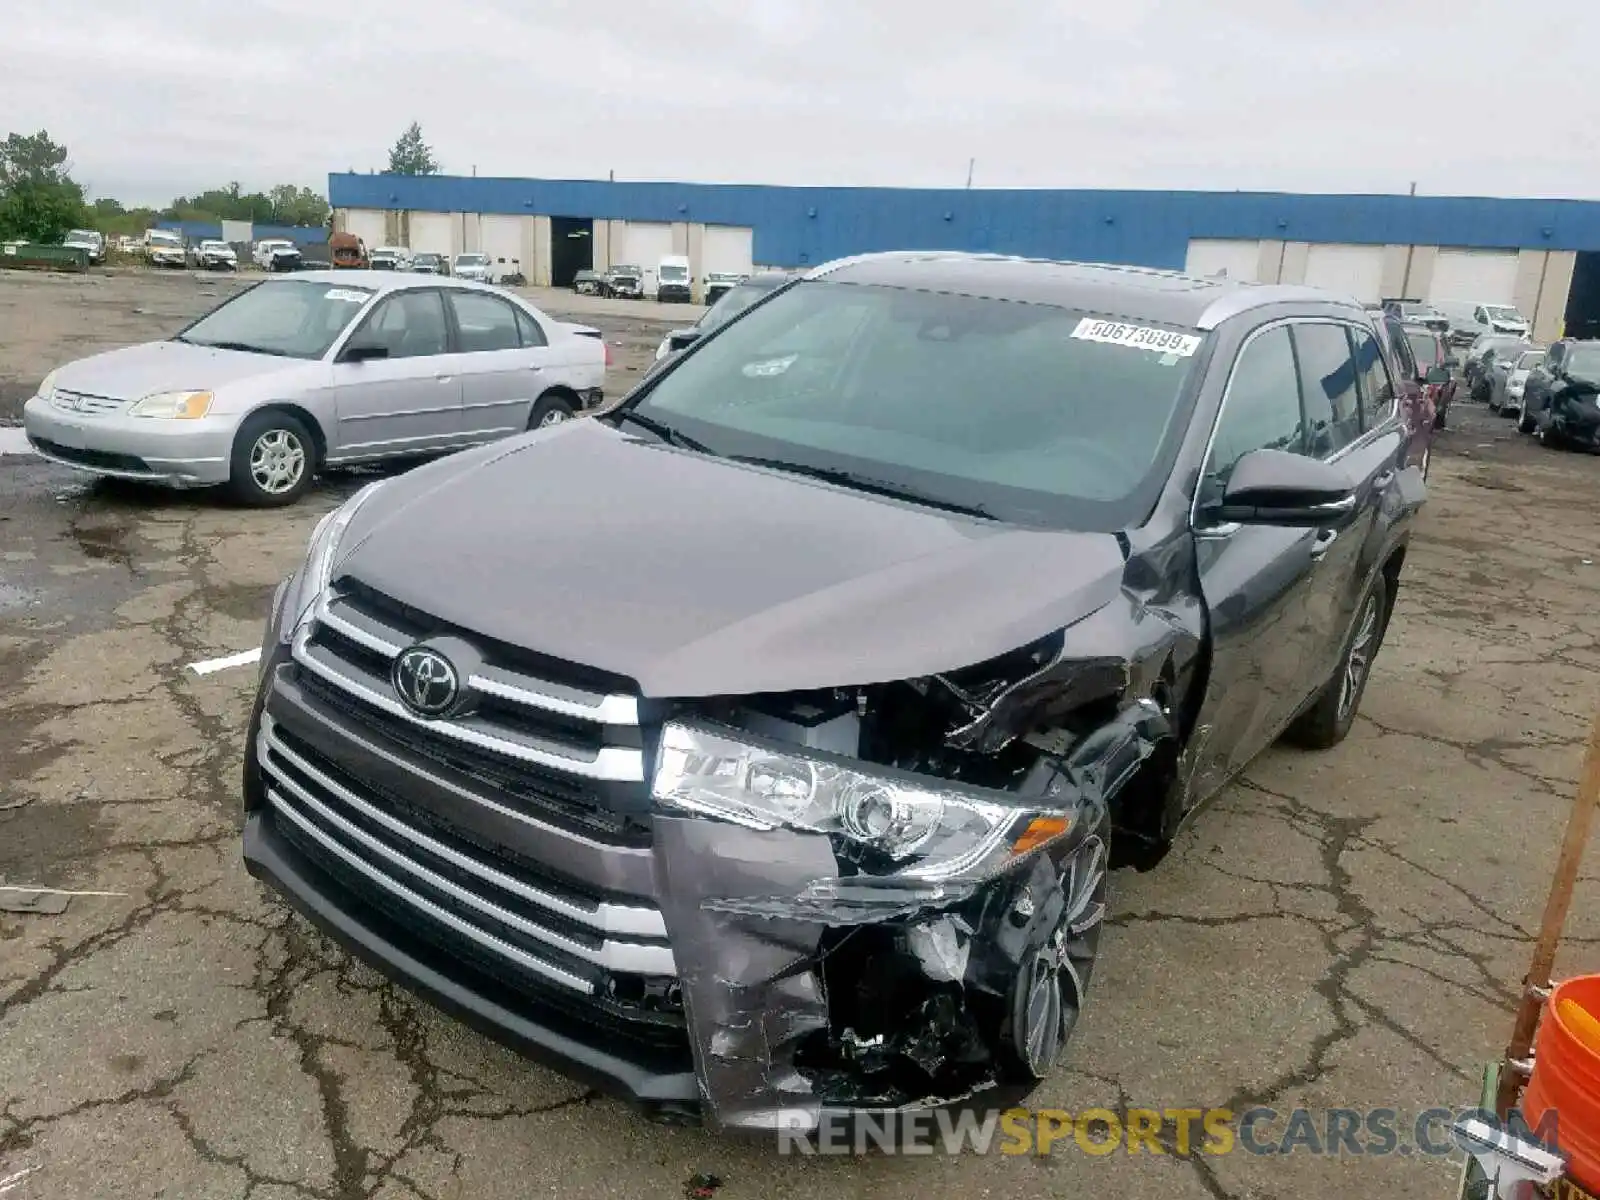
(923, 829)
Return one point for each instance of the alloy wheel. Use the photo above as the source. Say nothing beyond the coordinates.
(1059, 975)
(277, 461)
(1359, 659)
(554, 417)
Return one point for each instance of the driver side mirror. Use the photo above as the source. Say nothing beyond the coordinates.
(359, 352)
(1275, 487)
(1438, 375)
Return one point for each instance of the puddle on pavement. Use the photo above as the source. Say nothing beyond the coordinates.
(15, 598)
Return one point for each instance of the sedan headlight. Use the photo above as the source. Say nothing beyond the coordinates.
(176, 406)
(920, 829)
(47, 386)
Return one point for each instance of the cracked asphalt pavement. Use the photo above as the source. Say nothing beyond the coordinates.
(1343, 929)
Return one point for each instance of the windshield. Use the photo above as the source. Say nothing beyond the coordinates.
(293, 318)
(1529, 361)
(82, 235)
(733, 302)
(165, 239)
(1423, 347)
(433, 258)
(1500, 312)
(1028, 411)
(626, 271)
(469, 260)
(1583, 361)
(674, 272)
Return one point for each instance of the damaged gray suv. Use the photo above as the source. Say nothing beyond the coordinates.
(758, 750)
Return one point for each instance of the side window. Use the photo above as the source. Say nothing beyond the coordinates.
(1261, 410)
(1557, 353)
(1328, 384)
(1377, 389)
(529, 331)
(1479, 316)
(484, 322)
(1402, 349)
(408, 324)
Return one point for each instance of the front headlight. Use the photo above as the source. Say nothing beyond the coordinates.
(47, 386)
(316, 573)
(176, 406)
(917, 829)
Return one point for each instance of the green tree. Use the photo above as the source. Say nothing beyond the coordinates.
(39, 200)
(411, 155)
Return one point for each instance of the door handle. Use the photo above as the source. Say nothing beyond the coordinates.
(1325, 538)
(443, 378)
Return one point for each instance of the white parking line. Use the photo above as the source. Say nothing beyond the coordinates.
(243, 659)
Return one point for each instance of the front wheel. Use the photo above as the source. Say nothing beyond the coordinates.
(1049, 990)
(1325, 724)
(1439, 417)
(274, 458)
(1525, 421)
(550, 410)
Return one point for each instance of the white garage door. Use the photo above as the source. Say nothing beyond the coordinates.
(644, 244)
(502, 242)
(430, 233)
(1482, 276)
(1230, 259)
(728, 250)
(367, 224)
(1349, 270)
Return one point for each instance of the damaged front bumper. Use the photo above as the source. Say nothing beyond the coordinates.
(796, 988)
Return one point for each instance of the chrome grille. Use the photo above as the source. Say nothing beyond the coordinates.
(523, 919)
(564, 728)
(84, 403)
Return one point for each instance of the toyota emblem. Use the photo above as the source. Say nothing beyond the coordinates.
(426, 681)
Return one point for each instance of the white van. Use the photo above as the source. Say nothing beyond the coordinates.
(1471, 318)
(672, 279)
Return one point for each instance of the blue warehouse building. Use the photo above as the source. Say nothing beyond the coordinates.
(1537, 254)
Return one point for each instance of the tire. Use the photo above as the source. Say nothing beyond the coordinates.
(551, 409)
(1439, 416)
(1047, 996)
(1325, 724)
(1524, 421)
(274, 460)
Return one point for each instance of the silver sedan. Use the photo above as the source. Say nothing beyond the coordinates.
(320, 369)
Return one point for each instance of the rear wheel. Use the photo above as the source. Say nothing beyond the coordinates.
(1328, 720)
(274, 458)
(550, 410)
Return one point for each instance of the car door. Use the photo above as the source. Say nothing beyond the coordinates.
(1536, 392)
(408, 397)
(1265, 587)
(504, 354)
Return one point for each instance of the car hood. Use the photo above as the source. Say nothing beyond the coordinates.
(694, 576)
(136, 371)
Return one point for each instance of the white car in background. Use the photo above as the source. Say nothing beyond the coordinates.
(472, 266)
(390, 258)
(216, 255)
(322, 368)
(277, 254)
(90, 241)
(1506, 391)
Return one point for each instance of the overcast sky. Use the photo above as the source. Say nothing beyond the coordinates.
(171, 96)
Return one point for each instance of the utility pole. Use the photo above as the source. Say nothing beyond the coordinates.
(611, 175)
(971, 162)
(1413, 187)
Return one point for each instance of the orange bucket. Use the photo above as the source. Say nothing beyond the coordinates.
(1566, 1078)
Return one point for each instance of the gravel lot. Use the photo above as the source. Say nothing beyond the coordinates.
(1339, 929)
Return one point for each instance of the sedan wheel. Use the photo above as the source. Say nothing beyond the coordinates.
(550, 410)
(273, 460)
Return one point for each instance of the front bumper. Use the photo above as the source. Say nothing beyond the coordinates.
(169, 258)
(672, 293)
(178, 453)
(1575, 422)
(747, 1027)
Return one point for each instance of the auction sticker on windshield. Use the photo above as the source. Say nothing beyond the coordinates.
(1138, 337)
(347, 296)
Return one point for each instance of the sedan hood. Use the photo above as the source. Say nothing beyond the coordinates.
(136, 371)
(695, 576)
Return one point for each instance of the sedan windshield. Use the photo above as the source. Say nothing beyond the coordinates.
(1028, 412)
(1499, 312)
(292, 318)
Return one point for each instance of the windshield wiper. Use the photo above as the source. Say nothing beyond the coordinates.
(865, 483)
(245, 347)
(667, 433)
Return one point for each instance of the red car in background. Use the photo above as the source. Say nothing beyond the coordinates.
(1433, 360)
(1421, 395)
